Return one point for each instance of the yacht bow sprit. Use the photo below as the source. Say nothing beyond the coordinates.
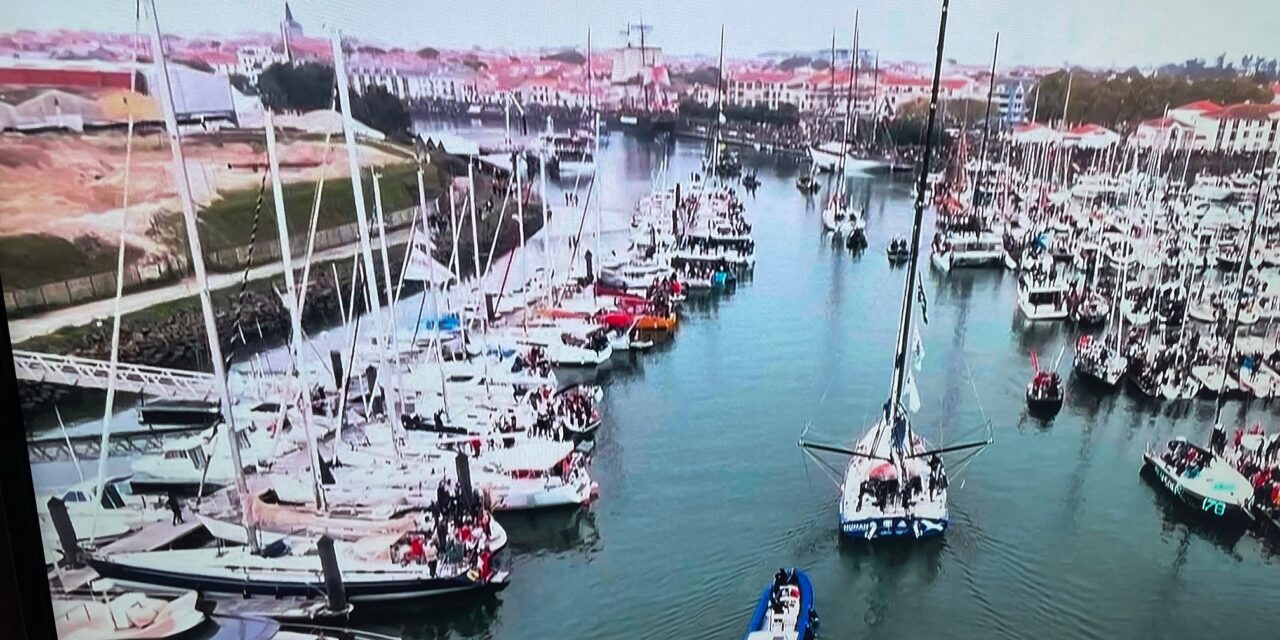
(895, 484)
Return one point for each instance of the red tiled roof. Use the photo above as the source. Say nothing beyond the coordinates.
(217, 57)
(921, 81)
(765, 76)
(1245, 111)
(1088, 129)
(1204, 106)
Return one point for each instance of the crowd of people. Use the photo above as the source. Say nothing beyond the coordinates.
(1187, 460)
(535, 360)
(890, 492)
(1046, 384)
(558, 416)
(660, 294)
(453, 535)
(1257, 457)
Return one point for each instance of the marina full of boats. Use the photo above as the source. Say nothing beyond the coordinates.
(1166, 277)
(406, 456)
(377, 467)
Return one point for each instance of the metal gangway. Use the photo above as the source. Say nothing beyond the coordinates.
(141, 379)
(88, 373)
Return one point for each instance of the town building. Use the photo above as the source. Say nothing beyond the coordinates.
(1009, 99)
(1161, 133)
(1239, 128)
(251, 61)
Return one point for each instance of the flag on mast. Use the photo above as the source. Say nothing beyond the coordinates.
(924, 302)
(912, 393)
(917, 349)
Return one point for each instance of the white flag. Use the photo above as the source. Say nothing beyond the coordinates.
(913, 394)
(917, 349)
(423, 267)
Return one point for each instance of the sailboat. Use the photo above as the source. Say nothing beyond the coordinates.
(645, 120)
(1202, 478)
(839, 216)
(895, 485)
(394, 566)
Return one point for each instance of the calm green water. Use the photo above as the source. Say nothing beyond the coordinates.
(704, 493)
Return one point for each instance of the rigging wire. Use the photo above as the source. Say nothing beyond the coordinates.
(236, 327)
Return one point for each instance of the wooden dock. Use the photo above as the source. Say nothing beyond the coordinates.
(160, 535)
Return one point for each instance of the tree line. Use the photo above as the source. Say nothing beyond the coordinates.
(1122, 100)
(309, 86)
(785, 114)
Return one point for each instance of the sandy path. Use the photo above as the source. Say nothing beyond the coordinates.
(73, 186)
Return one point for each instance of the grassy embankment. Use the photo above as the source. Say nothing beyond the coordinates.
(175, 324)
(32, 260)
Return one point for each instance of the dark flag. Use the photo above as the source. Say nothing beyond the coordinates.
(924, 302)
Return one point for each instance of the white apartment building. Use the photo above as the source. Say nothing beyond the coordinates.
(251, 61)
(1239, 128)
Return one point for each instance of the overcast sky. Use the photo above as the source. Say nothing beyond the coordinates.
(1089, 32)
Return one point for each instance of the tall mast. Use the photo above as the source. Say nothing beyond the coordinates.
(113, 367)
(302, 381)
(986, 125)
(197, 262)
(393, 333)
(362, 231)
(715, 138)
(591, 104)
(853, 77)
(431, 286)
(838, 193)
(831, 98)
(546, 222)
(908, 290)
(875, 99)
(643, 65)
(1258, 202)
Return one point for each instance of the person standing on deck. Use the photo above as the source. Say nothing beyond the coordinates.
(171, 501)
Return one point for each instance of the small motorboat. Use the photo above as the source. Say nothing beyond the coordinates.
(130, 615)
(1044, 394)
(807, 184)
(785, 610)
(750, 182)
(897, 251)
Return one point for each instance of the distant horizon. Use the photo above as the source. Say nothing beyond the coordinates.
(905, 32)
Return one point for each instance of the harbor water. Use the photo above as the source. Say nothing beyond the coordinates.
(704, 493)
